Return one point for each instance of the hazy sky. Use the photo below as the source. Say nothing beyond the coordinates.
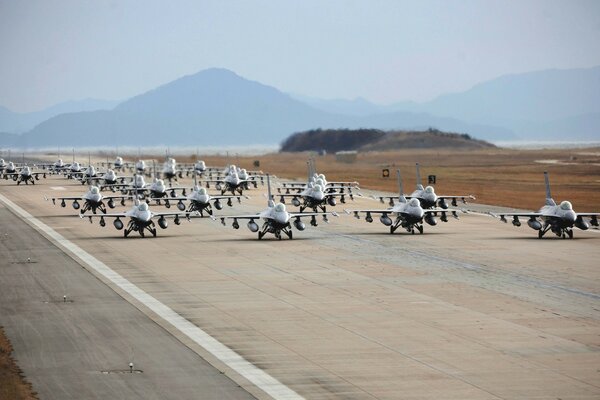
(385, 51)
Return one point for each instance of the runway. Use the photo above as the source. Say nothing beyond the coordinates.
(470, 309)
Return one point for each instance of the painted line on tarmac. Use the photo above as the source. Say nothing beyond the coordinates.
(255, 375)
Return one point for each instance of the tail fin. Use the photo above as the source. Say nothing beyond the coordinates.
(419, 184)
(308, 166)
(549, 200)
(270, 197)
(135, 190)
(400, 187)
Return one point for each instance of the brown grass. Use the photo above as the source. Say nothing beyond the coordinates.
(13, 385)
(505, 177)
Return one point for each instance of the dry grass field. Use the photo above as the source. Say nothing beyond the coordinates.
(12, 383)
(505, 177)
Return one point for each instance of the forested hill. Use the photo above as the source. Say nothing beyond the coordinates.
(332, 140)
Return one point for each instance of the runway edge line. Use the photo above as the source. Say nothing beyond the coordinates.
(253, 374)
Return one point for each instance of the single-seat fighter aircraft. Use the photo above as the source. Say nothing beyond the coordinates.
(3, 165)
(199, 200)
(92, 200)
(9, 168)
(140, 219)
(315, 196)
(276, 219)
(24, 175)
(170, 171)
(558, 218)
(314, 177)
(138, 186)
(409, 213)
(427, 196)
(233, 182)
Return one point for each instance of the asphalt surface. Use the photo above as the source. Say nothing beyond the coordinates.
(471, 309)
(80, 347)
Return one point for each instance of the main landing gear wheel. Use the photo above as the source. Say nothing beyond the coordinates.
(420, 228)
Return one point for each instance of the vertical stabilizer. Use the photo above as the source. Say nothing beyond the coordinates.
(270, 202)
(400, 187)
(308, 166)
(419, 184)
(549, 200)
(135, 190)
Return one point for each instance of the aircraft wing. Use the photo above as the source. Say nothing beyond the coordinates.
(435, 211)
(246, 216)
(515, 216)
(64, 198)
(311, 214)
(112, 215)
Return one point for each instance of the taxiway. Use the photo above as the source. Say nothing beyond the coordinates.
(470, 309)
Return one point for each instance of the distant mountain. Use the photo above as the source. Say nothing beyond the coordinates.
(535, 96)
(357, 107)
(536, 105)
(216, 107)
(14, 122)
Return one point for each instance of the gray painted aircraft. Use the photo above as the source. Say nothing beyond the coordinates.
(427, 196)
(313, 176)
(409, 213)
(236, 181)
(140, 219)
(558, 218)
(276, 219)
(200, 200)
(25, 174)
(315, 196)
(92, 200)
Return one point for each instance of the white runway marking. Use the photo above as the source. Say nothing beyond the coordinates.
(57, 188)
(257, 376)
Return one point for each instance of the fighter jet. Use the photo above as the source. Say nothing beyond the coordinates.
(200, 201)
(24, 175)
(138, 186)
(170, 171)
(140, 219)
(313, 176)
(199, 168)
(315, 196)
(409, 213)
(276, 219)
(9, 168)
(3, 166)
(558, 218)
(118, 164)
(234, 182)
(92, 200)
(427, 196)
